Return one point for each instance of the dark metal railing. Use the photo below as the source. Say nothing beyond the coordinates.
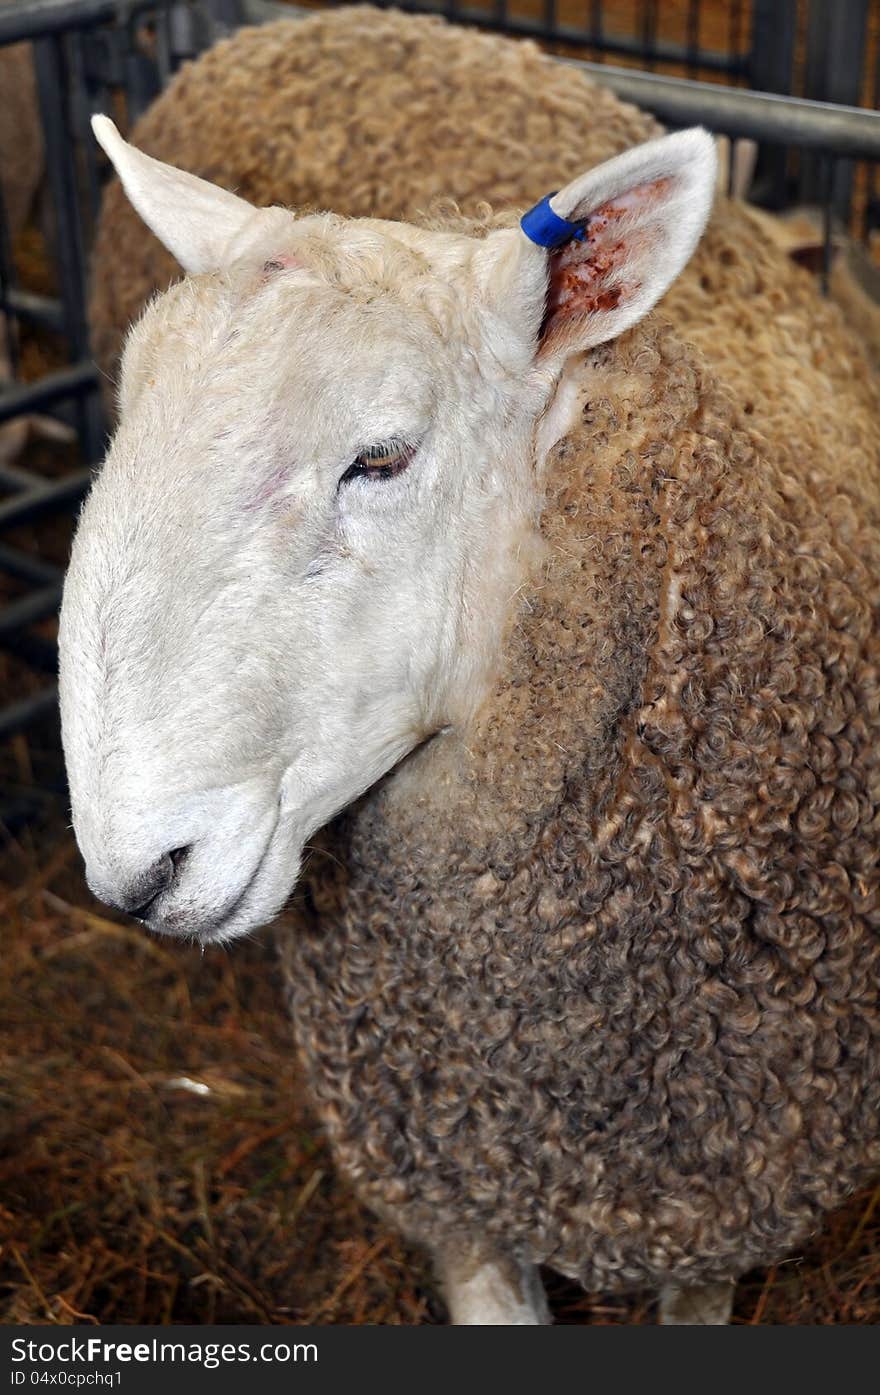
(732, 111)
(598, 27)
(644, 44)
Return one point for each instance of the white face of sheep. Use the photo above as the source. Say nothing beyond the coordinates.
(297, 558)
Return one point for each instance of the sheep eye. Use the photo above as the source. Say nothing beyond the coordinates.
(380, 462)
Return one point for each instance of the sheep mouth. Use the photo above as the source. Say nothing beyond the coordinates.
(187, 923)
(214, 932)
(213, 927)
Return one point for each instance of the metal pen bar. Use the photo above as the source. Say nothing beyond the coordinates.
(34, 650)
(30, 397)
(38, 309)
(520, 26)
(141, 83)
(836, 47)
(162, 32)
(35, 503)
(228, 13)
(61, 171)
(50, 77)
(52, 83)
(596, 29)
(8, 330)
(836, 130)
(81, 108)
(28, 566)
(772, 42)
(32, 19)
(649, 32)
(693, 37)
(182, 42)
(36, 605)
(21, 714)
(14, 477)
(734, 26)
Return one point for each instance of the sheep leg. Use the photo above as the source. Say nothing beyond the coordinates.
(696, 1305)
(492, 1291)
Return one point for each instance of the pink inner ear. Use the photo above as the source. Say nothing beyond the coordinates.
(586, 275)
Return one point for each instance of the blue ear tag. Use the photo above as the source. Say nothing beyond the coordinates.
(546, 228)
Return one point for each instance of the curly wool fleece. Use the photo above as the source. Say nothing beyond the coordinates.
(596, 982)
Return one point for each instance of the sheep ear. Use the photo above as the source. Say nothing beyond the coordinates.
(640, 216)
(618, 237)
(195, 220)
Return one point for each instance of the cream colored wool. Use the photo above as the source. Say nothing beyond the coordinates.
(594, 982)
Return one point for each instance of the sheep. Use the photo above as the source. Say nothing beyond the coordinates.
(533, 635)
(368, 111)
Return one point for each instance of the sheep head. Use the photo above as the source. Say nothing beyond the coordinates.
(298, 556)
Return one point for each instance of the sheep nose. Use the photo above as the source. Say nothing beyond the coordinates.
(150, 885)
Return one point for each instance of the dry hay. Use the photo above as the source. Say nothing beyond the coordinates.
(130, 1196)
(158, 1161)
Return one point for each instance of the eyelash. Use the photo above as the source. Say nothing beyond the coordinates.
(380, 462)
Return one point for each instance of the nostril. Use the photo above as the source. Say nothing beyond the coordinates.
(153, 882)
(140, 912)
(178, 857)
